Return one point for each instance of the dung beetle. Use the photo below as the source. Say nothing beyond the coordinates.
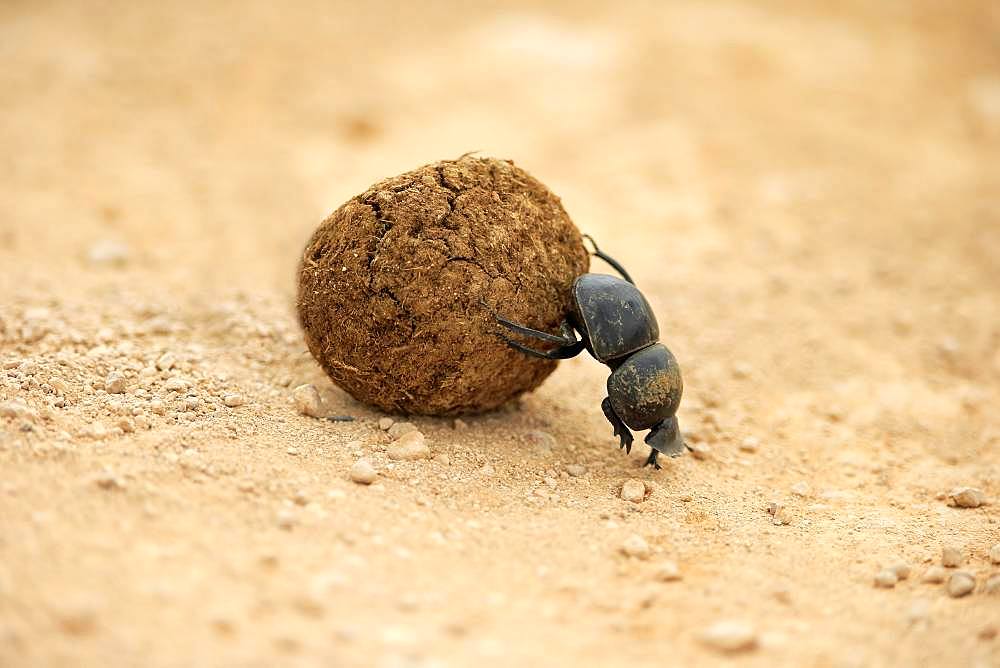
(617, 327)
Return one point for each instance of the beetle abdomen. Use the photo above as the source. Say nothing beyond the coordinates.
(615, 316)
(646, 388)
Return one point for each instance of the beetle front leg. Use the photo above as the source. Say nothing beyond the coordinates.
(621, 431)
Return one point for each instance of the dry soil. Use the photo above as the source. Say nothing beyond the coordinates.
(808, 198)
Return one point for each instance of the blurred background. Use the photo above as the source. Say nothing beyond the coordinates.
(806, 192)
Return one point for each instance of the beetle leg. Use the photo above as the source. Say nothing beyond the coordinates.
(666, 437)
(610, 260)
(561, 353)
(621, 431)
(566, 338)
(652, 459)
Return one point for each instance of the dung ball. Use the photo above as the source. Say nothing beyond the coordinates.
(399, 286)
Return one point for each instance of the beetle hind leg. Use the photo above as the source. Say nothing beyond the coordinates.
(621, 431)
(569, 346)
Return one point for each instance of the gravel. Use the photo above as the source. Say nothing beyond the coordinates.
(935, 575)
(951, 556)
(729, 636)
(398, 429)
(636, 546)
(363, 472)
(115, 383)
(307, 400)
(633, 490)
(886, 579)
(960, 583)
(410, 446)
(901, 569)
(668, 571)
(233, 399)
(966, 497)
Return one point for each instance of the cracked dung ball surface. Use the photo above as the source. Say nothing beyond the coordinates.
(397, 287)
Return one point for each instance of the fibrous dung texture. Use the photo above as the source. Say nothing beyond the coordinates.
(398, 287)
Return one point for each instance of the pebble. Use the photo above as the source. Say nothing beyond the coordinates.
(801, 489)
(409, 446)
(729, 636)
(633, 490)
(901, 569)
(995, 554)
(576, 470)
(886, 578)
(960, 583)
(109, 252)
(166, 362)
(176, 384)
(636, 546)
(966, 497)
(750, 444)
(363, 472)
(992, 584)
(115, 383)
(108, 480)
(668, 572)
(935, 575)
(307, 401)
(700, 450)
(13, 409)
(398, 429)
(232, 400)
(458, 424)
(780, 516)
(286, 520)
(384, 423)
(951, 556)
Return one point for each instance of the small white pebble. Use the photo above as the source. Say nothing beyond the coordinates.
(992, 584)
(166, 362)
(934, 575)
(409, 446)
(668, 572)
(286, 520)
(951, 556)
(458, 424)
(109, 252)
(750, 444)
(901, 569)
(398, 429)
(729, 636)
(636, 546)
(307, 400)
(633, 490)
(886, 578)
(966, 497)
(363, 472)
(995, 554)
(960, 583)
(232, 399)
(384, 423)
(108, 480)
(576, 470)
(700, 450)
(115, 383)
(176, 384)
(801, 488)
(14, 409)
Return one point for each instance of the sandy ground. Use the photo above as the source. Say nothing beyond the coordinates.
(807, 198)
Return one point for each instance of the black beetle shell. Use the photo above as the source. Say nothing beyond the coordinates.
(614, 316)
(646, 388)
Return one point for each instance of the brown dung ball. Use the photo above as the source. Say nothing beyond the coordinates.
(398, 287)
